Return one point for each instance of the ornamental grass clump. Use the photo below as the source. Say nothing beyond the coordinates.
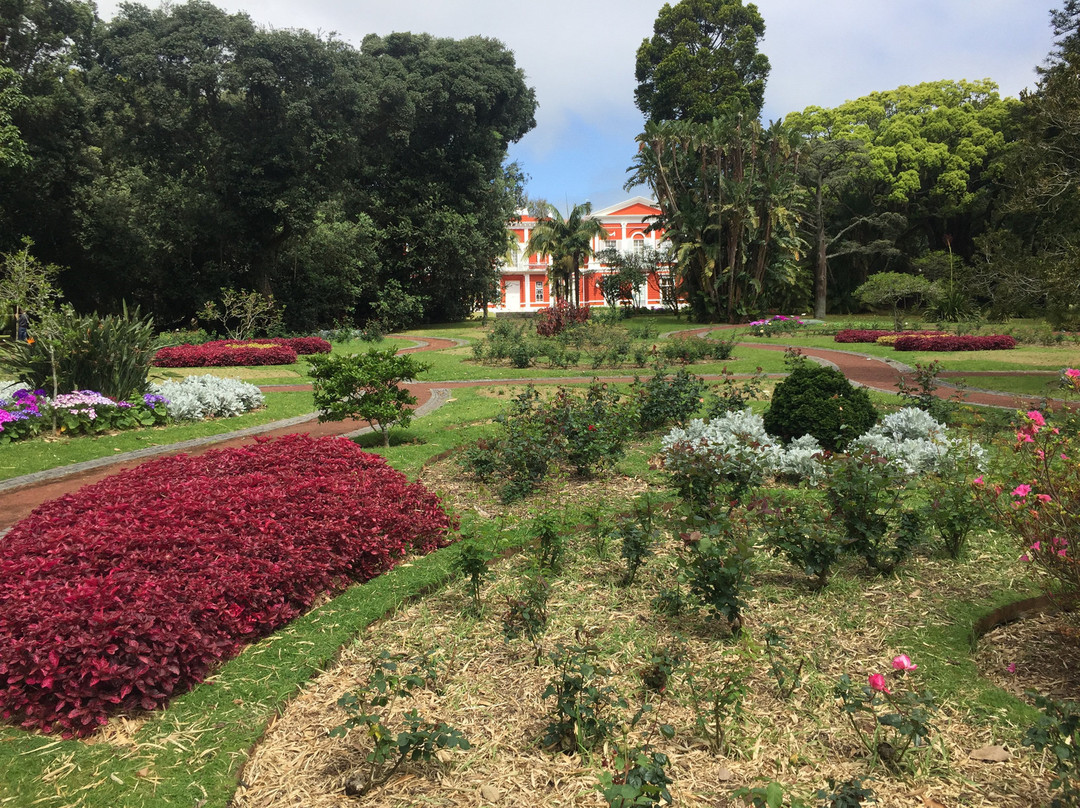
(117, 597)
(197, 397)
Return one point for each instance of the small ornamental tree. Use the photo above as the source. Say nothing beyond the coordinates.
(367, 387)
(242, 313)
(897, 290)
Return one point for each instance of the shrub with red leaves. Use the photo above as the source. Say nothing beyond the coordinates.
(966, 342)
(554, 319)
(132, 589)
(225, 353)
(873, 335)
(306, 346)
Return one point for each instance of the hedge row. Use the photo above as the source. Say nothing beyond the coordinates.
(133, 589)
(873, 335)
(233, 353)
(967, 342)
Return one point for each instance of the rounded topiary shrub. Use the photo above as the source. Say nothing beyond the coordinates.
(819, 401)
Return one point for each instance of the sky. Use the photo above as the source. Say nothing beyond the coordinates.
(579, 56)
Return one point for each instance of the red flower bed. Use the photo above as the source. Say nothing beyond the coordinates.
(132, 589)
(306, 346)
(872, 335)
(969, 342)
(225, 353)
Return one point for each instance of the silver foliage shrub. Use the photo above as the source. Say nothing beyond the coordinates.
(198, 397)
(733, 447)
(916, 442)
(736, 447)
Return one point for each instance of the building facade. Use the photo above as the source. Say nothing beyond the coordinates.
(525, 277)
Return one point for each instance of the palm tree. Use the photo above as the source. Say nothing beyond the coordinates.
(568, 242)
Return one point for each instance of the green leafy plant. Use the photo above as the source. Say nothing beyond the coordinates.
(716, 696)
(109, 354)
(919, 389)
(584, 706)
(242, 314)
(367, 386)
(666, 399)
(526, 614)
(472, 562)
(548, 532)
(802, 532)
(848, 794)
(734, 395)
(663, 662)
(1058, 730)
(954, 508)
(819, 401)
(786, 672)
(866, 493)
(718, 559)
(394, 678)
(638, 778)
(770, 795)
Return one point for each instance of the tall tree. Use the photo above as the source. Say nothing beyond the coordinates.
(1029, 265)
(568, 242)
(728, 193)
(702, 62)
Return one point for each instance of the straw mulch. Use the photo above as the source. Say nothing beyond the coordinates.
(490, 688)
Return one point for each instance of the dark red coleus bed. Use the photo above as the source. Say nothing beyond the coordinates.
(132, 589)
(953, 342)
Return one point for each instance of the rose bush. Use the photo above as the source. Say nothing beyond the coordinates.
(1037, 497)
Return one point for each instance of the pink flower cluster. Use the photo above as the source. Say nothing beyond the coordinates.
(901, 663)
(1058, 545)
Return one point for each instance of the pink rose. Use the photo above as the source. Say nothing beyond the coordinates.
(877, 682)
(903, 663)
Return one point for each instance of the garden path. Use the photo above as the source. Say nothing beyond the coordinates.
(20, 495)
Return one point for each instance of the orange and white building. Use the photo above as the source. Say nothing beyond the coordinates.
(525, 277)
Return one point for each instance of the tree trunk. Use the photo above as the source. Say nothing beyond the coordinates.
(821, 273)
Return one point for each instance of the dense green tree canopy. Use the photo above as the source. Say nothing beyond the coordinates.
(177, 150)
(702, 62)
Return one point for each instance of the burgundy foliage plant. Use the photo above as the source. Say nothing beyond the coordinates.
(133, 589)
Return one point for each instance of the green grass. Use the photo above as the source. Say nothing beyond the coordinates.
(26, 457)
(1015, 385)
